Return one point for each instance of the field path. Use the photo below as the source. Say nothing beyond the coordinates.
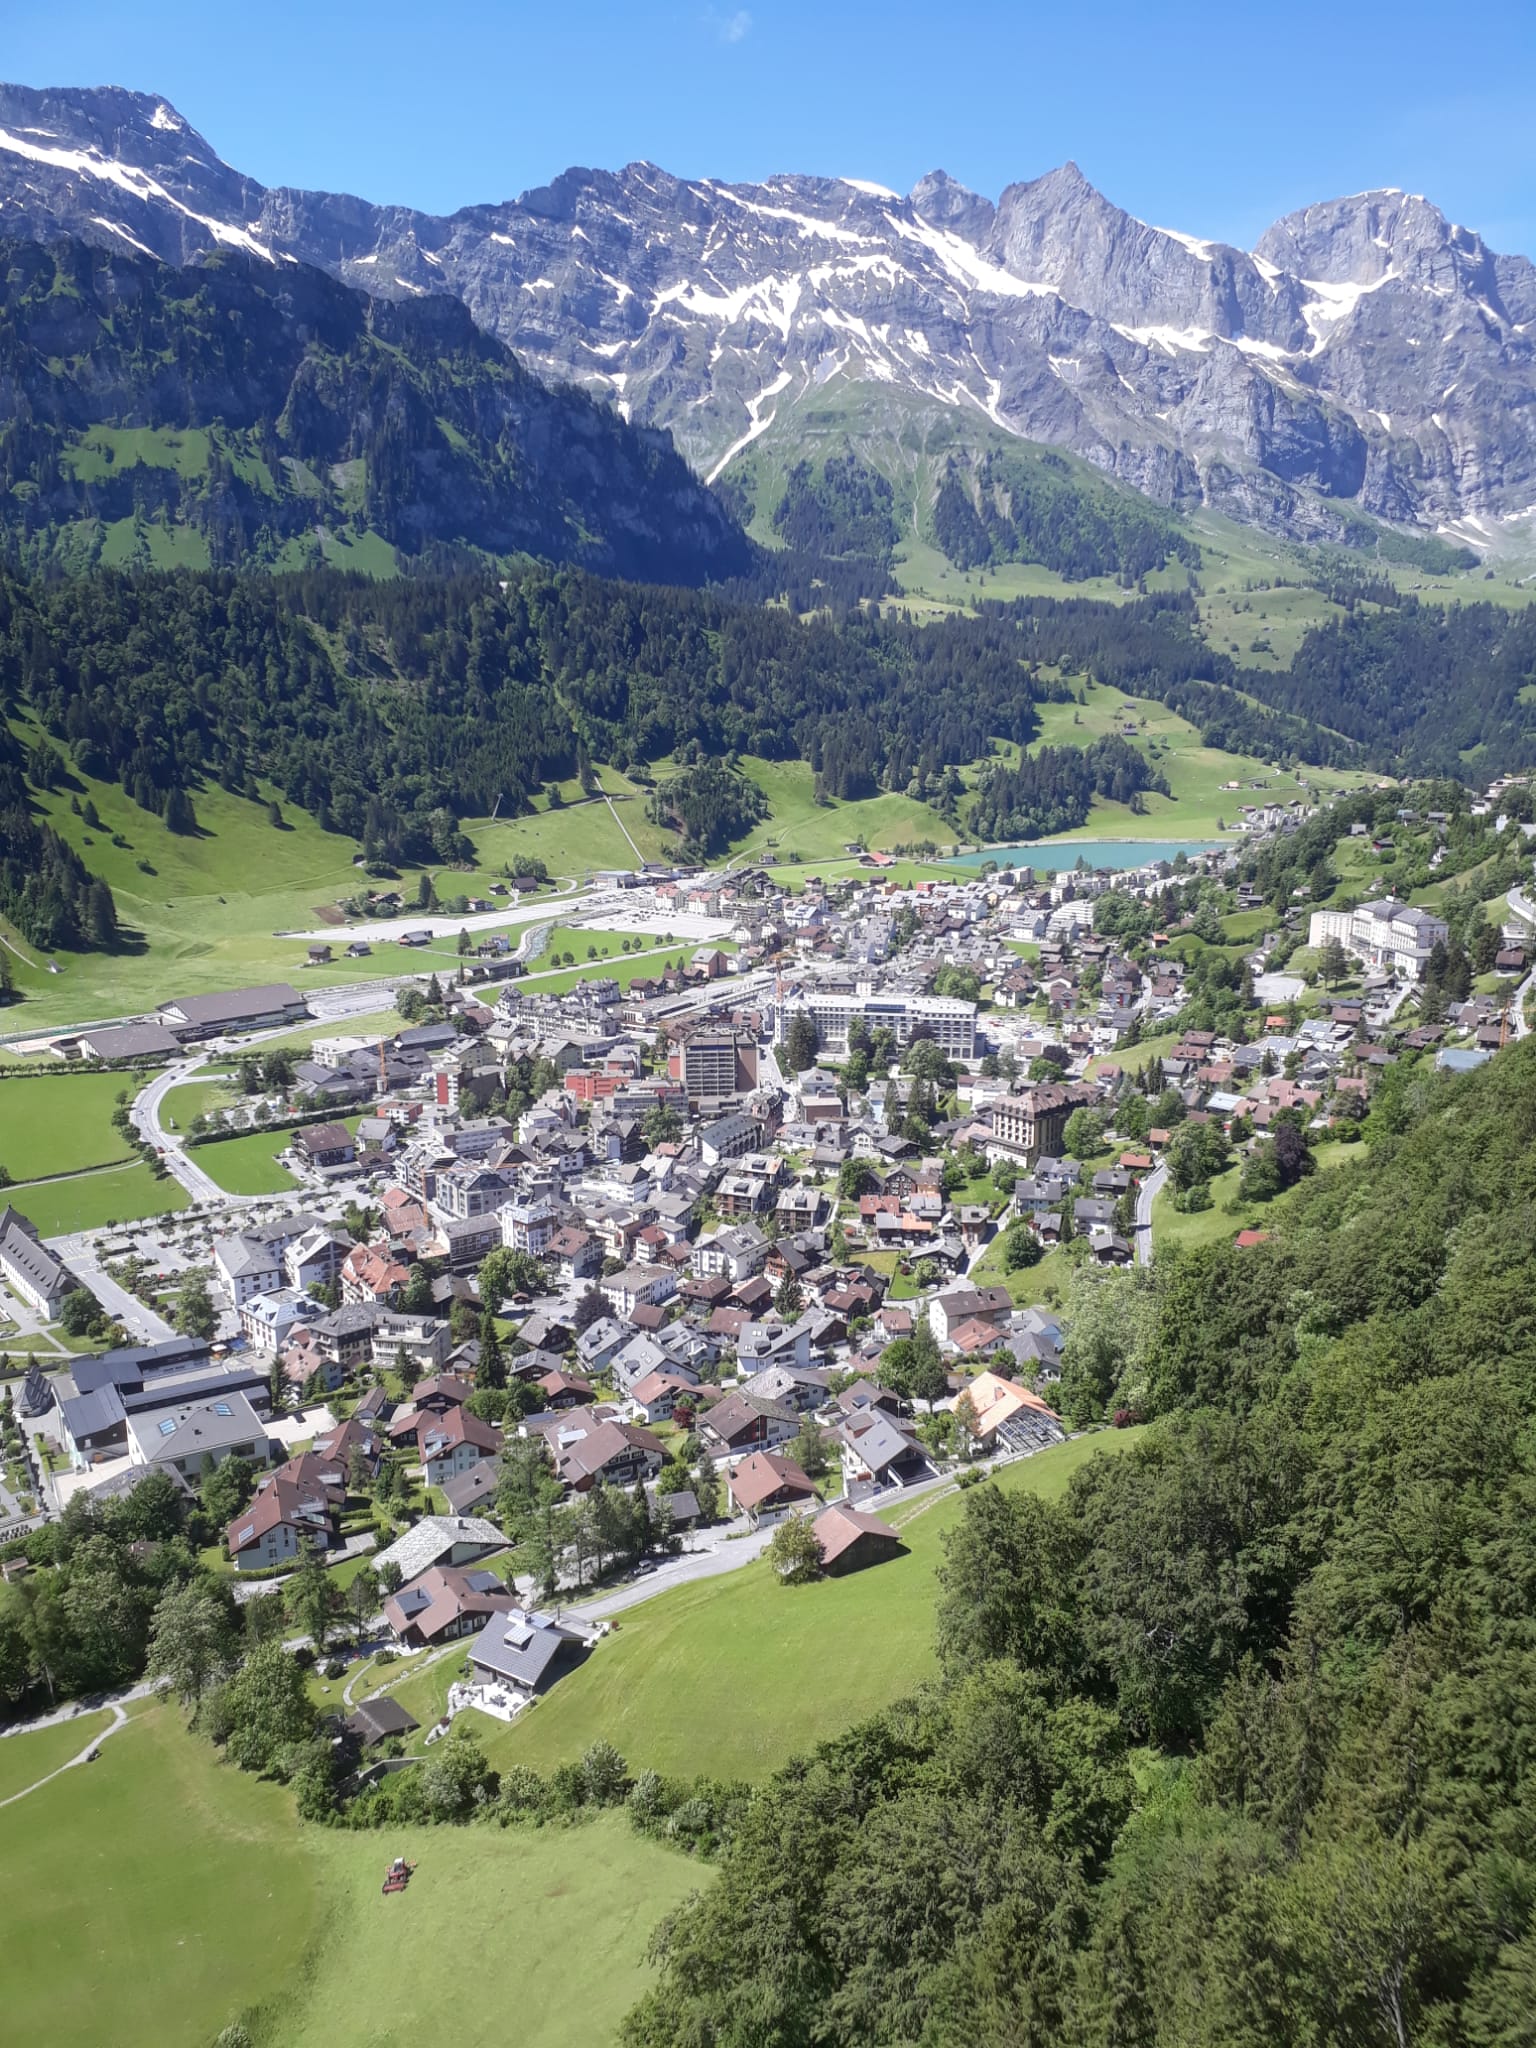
(613, 810)
(120, 1720)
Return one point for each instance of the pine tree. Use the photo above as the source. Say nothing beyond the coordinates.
(101, 916)
(492, 1369)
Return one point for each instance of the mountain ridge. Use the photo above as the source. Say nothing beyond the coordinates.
(1390, 372)
(240, 411)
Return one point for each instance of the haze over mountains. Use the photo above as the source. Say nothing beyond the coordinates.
(1367, 357)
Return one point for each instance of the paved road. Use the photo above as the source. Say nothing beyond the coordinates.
(613, 813)
(724, 1555)
(74, 1710)
(729, 1554)
(145, 1115)
(1517, 1024)
(449, 927)
(1146, 1194)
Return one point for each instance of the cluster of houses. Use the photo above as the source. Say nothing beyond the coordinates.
(704, 1259)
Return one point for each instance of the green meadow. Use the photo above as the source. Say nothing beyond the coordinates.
(60, 1124)
(156, 1896)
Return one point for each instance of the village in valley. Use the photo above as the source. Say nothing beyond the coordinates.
(586, 1291)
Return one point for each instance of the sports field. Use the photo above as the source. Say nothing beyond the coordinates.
(60, 1123)
(122, 1194)
(156, 1896)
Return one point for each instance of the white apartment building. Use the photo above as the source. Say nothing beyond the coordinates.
(1387, 936)
(951, 1022)
(528, 1226)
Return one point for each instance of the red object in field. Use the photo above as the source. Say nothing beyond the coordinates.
(398, 1876)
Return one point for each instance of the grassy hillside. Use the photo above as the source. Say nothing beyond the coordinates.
(205, 913)
(733, 1675)
(174, 1894)
(797, 825)
(911, 440)
(1197, 775)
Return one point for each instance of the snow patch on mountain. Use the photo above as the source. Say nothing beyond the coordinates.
(1262, 384)
(758, 424)
(90, 163)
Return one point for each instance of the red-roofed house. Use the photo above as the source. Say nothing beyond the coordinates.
(371, 1274)
(449, 1444)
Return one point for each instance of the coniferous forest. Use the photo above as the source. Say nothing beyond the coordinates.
(1030, 508)
(391, 710)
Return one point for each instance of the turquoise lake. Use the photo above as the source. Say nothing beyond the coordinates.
(1051, 856)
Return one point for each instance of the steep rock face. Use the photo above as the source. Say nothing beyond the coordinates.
(1062, 231)
(261, 404)
(1367, 356)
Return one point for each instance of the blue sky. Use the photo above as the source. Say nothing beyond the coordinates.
(1210, 118)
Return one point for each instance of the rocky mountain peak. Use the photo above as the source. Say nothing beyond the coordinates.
(1357, 240)
(1368, 355)
(948, 204)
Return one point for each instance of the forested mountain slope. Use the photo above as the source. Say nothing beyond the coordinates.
(392, 709)
(1236, 1746)
(239, 412)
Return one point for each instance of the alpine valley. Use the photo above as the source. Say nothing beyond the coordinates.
(1368, 361)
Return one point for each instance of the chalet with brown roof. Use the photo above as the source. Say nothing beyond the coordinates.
(431, 1402)
(974, 1337)
(325, 1145)
(850, 1540)
(962, 1304)
(656, 1394)
(766, 1487)
(617, 1452)
(449, 1444)
(574, 1254)
(740, 1423)
(284, 1516)
(565, 1390)
(867, 1393)
(446, 1602)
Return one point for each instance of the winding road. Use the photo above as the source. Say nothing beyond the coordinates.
(145, 1116)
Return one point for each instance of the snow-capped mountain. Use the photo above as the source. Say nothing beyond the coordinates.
(1366, 356)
